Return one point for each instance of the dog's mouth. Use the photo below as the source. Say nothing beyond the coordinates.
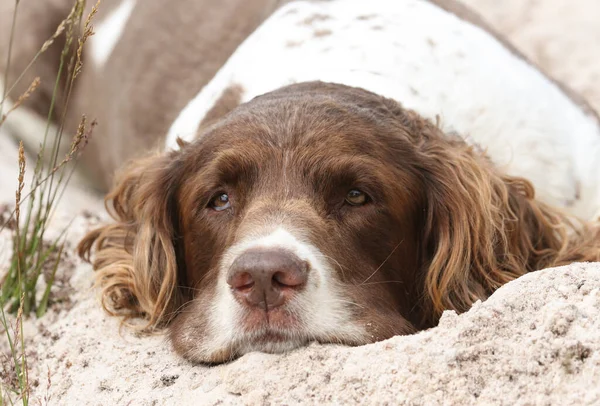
(272, 341)
(280, 321)
(273, 331)
(269, 336)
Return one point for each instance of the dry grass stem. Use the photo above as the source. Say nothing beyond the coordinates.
(59, 30)
(32, 87)
(21, 180)
(9, 55)
(21, 183)
(88, 31)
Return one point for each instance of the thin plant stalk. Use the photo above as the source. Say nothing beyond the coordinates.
(44, 48)
(9, 56)
(23, 371)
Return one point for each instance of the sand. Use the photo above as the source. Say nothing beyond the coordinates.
(535, 341)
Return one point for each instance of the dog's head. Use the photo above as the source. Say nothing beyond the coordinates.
(318, 212)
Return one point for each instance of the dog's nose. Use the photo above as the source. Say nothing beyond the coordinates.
(267, 278)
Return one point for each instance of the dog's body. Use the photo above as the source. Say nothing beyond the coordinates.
(435, 63)
(346, 211)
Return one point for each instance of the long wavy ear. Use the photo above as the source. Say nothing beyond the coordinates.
(135, 258)
(483, 229)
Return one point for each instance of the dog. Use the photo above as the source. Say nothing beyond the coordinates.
(352, 170)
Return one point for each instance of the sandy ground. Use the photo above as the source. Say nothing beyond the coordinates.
(535, 341)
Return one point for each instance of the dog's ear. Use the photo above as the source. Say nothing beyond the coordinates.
(136, 257)
(481, 228)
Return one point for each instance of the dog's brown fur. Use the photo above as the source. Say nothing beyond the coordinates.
(456, 228)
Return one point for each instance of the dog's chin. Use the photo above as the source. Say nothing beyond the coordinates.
(192, 338)
(268, 343)
(194, 342)
(271, 342)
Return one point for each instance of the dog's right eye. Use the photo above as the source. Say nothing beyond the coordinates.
(220, 202)
(356, 197)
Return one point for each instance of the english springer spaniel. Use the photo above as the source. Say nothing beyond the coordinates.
(354, 169)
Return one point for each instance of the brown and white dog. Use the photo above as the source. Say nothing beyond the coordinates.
(347, 175)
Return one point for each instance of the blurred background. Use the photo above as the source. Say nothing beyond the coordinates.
(561, 36)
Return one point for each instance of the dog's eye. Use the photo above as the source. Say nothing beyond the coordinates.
(220, 202)
(356, 198)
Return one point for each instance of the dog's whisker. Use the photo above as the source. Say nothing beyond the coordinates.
(381, 282)
(383, 263)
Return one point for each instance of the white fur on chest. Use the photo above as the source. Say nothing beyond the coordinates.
(434, 63)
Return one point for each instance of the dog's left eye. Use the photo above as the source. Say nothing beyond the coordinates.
(356, 197)
(220, 202)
